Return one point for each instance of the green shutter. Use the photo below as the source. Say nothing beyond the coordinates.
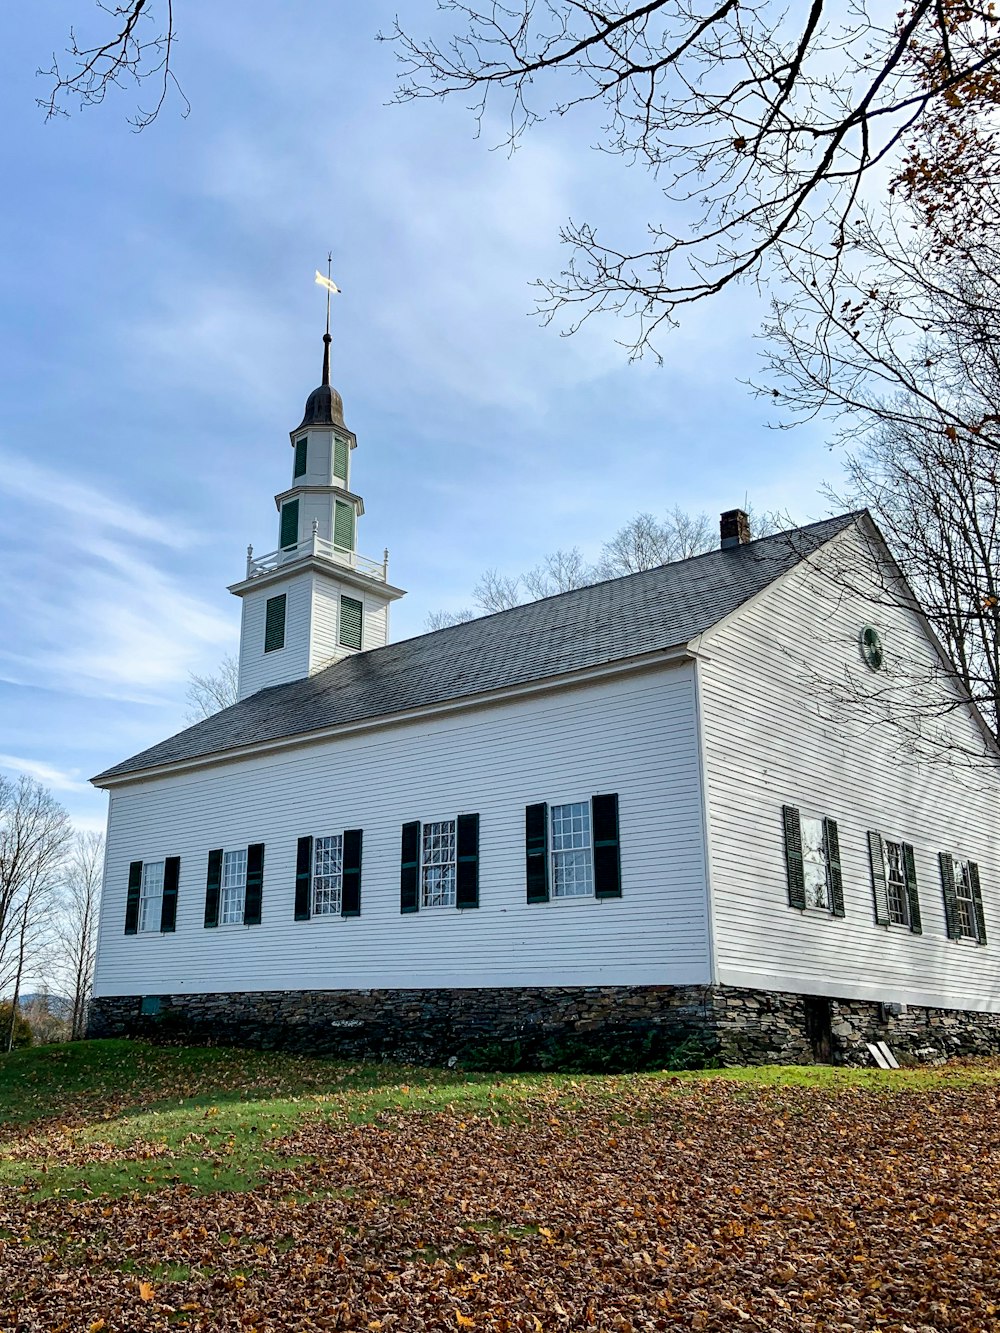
(409, 869)
(343, 526)
(255, 884)
(793, 857)
(536, 852)
(879, 885)
(132, 901)
(274, 623)
(467, 869)
(289, 525)
(340, 452)
(350, 890)
(910, 870)
(835, 878)
(301, 450)
(351, 612)
(948, 890)
(977, 902)
(607, 864)
(213, 886)
(168, 907)
(303, 880)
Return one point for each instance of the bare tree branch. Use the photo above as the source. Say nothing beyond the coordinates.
(761, 122)
(137, 50)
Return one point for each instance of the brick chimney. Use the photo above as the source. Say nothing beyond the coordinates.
(734, 528)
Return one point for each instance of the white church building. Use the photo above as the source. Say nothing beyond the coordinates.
(657, 802)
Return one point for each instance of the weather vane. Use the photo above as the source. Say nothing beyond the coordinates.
(331, 287)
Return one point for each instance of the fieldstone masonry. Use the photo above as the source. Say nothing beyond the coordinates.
(430, 1026)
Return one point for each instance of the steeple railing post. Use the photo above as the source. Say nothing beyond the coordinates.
(249, 560)
(314, 549)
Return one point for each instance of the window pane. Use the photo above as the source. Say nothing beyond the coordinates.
(234, 883)
(328, 875)
(438, 864)
(895, 881)
(814, 863)
(151, 895)
(963, 900)
(572, 859)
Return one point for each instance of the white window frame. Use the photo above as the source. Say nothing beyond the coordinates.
(331, 882)
(582, 845)
(808, 859)
(447, 899)
(233, 895)
(960, 868)
(151, 896)
(904, 895)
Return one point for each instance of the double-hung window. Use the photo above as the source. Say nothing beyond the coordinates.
(151, 896)
(151, 902)
(894, 882)
(963, 899)
(572, 849)
(234, 887)
(439, 864)
(812, 862)
(328, 875)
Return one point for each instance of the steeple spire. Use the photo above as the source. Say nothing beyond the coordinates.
(324, 406)
(331, 287)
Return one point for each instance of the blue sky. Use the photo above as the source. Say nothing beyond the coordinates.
(161, 332)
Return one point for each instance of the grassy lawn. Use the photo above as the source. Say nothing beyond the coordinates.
(148, 1188)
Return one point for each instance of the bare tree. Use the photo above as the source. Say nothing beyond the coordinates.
(760, 123)
(134, 46)
(34, 834)
(644, 542)
(77, 931)
(209, 694)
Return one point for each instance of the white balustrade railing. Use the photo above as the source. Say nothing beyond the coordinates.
(318, 546)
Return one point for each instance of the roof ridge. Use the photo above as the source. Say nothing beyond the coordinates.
(618, 578)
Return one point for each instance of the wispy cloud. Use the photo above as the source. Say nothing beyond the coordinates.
(56, 489)
(55, 778)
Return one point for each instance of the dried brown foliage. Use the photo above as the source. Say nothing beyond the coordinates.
(626, 1205)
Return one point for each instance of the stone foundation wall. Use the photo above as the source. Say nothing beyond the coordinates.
(432, 1026)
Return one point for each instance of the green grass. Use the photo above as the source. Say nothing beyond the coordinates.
(119, 1117)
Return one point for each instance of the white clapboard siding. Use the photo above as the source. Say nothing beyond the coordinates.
(635, 735)
(775, 733)
(259, 669)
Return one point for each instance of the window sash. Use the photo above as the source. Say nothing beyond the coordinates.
(571, 850)
(438, 860)
(895, 884)
(965, 903)
(815, 864)
(234, 886)
(328, 875)
(151, 895)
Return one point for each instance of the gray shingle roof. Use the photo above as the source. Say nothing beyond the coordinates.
(606, 622)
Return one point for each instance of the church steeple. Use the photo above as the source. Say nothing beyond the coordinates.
(314, 599)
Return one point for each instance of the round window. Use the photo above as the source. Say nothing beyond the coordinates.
(871, 647)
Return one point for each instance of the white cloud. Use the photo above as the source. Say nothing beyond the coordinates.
(56, 489)
(55, 778)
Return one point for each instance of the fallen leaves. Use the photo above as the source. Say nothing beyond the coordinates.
(629, 1205)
